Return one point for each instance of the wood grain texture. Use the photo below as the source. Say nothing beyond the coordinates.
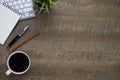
(79, 40)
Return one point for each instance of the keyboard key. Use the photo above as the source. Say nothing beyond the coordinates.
(22, 16)
(28, 5)
(21, 6)
(32, 14)
(7, 0)
(13, 7)
(20, 11)
(28, 0)
(19, 2)
(27, 9)
(26, 14)
(10, 4)
(24, 1)
(16, 7)
(15, 3)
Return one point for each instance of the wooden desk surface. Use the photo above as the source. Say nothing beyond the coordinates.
(79, 40)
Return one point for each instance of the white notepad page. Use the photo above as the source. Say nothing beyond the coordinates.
(8, 20)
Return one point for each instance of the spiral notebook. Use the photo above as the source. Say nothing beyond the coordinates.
(8, 19)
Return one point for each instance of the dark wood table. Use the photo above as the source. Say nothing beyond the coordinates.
(79, 40)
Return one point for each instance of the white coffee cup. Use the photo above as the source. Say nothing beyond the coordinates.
(21, 63)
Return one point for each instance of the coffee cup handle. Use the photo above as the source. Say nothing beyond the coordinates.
(8, 72)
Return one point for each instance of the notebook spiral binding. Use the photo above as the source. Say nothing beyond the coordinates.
(9, 7)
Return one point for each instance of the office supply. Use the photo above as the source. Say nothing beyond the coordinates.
(8, 19)
(17, 37)
(26, 40)
(23, 6)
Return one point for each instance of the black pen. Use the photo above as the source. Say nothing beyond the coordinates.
(17, 37)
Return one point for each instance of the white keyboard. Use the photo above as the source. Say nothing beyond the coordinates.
(23, 6)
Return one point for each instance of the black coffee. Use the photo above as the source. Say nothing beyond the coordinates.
(19, 62)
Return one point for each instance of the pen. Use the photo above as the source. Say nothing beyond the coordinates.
(25, 40)
(17, 37)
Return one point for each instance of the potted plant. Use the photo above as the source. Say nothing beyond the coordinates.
(43, 5)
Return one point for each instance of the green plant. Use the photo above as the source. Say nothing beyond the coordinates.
(43, 5)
